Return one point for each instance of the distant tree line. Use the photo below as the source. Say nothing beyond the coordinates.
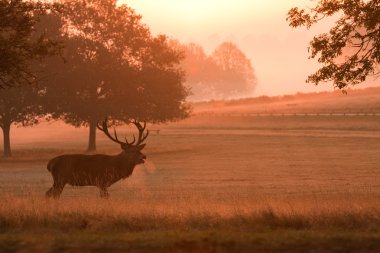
(80, 61)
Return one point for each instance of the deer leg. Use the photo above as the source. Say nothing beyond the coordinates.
(55, 191)
(104, 192)
(49, 193)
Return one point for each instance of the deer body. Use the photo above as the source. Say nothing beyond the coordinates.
(95, 170)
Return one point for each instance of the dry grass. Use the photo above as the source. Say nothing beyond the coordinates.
(186, 211)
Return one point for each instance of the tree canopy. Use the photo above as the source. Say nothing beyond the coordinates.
(350, 51)
(19, 43)
(113, 67)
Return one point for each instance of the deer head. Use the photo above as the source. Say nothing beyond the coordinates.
(131, 149)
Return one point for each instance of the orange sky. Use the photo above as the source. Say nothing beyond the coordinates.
(278, 52)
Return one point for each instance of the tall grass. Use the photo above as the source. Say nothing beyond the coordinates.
(147, 211)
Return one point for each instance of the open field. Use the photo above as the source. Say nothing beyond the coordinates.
(213, 183)
(363, 101)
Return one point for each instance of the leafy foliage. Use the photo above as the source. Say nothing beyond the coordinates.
(20, 105)
(19, 44)
(351, 50)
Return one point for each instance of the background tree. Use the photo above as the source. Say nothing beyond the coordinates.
(201, 71)
(227, 73)
(114, 67)
(237, 77)
(351, 50)
(18, 43)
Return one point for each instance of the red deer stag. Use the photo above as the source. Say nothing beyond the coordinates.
(97, 170)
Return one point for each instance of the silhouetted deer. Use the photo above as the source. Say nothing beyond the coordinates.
(97, 170)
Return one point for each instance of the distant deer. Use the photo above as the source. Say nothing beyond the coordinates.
(98, 170)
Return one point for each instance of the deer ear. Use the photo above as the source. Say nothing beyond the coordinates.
(141, 146)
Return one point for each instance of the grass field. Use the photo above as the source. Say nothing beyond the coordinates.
(211, 184)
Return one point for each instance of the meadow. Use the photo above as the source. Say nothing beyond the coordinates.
(230, 182)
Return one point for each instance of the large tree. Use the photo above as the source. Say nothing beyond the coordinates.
(18, 41)
(114, 67)
(24, 43)
(350, 51)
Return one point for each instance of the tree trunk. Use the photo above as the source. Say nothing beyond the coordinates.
(92, 137)
(7, 140)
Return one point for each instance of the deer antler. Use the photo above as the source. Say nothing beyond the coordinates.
(104, 128)
(142, 136)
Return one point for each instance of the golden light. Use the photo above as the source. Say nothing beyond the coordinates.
(197, 11)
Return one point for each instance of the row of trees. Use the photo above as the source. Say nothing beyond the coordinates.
(226, 73)
(103, 62)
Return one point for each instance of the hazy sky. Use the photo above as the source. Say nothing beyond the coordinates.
(277, 52)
